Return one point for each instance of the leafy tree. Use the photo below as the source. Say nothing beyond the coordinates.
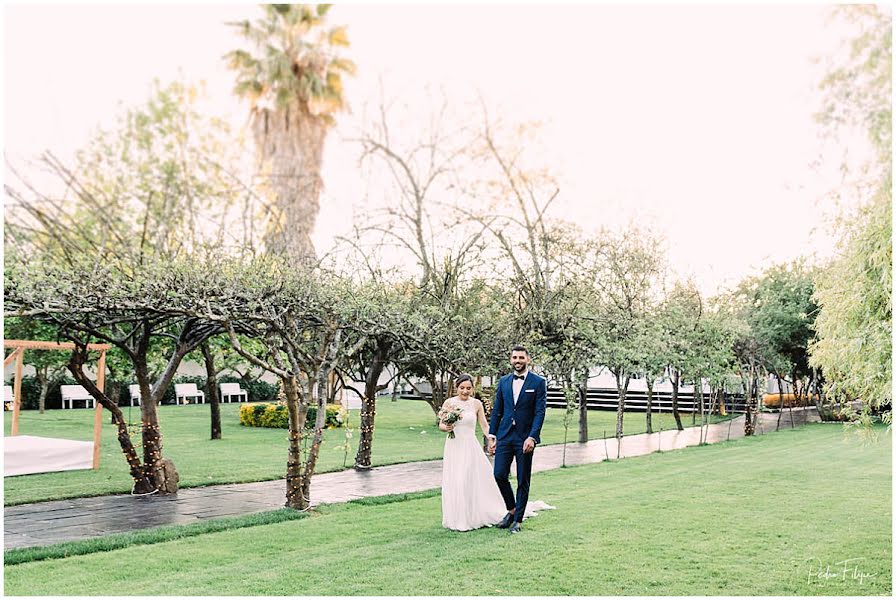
(292, 75)
(854, 292)
(306, 328)
(383, 311)
(781, 313)
(681, 312)
(630, 265)
(128, 313)
(129, 239)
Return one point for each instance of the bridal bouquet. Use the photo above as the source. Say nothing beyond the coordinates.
(450, 415)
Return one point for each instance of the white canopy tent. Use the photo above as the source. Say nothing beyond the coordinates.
(28, 454)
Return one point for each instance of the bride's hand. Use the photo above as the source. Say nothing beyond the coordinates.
(445, 427)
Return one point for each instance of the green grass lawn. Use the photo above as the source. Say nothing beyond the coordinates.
(754, 516)
(405, 431)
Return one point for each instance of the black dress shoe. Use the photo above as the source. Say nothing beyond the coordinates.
(515, 528)
(505, 522)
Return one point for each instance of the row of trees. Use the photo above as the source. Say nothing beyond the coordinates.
(465, 259)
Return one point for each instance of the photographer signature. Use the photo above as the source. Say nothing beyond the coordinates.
(844, 570)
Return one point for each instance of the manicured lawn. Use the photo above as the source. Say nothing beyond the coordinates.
(755, 516)
(405, 432)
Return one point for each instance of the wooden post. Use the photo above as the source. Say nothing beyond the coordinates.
(10, 358)
(98, 414)
(17, 391)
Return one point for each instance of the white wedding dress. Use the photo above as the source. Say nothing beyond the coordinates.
(470, 497)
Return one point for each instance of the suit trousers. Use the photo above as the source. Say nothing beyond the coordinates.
(506, 451)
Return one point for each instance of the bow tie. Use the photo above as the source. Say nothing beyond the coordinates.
(519, 376)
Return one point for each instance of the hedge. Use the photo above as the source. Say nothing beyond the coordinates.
(266, 414)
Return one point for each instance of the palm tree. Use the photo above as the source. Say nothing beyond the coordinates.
(292, 75)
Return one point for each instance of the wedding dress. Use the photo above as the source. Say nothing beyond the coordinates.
(470, 497)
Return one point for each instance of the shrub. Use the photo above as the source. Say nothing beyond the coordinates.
(335, 416)
(274, 415)
(277, 415)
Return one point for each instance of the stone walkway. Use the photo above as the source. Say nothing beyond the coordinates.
(81, 518)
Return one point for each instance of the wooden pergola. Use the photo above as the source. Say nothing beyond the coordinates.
(18, 354)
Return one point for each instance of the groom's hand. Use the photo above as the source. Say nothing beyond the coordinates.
(528, 445)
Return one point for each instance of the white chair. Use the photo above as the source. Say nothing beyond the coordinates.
(134, 391)
(187, 391)
(75, 393)
(9, 400)
(231, 390)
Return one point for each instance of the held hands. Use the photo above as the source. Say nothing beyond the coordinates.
(492, 445)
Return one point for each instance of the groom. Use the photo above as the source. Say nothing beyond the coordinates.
(517, 416)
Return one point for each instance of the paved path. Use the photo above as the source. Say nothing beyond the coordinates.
(80, 518)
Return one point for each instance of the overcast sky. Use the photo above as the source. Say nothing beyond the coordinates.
(697, 119)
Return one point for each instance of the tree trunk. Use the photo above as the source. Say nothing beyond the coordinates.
(583, 408)
(143, 484)
(291, 146)
(698, 390)
(752, 408)
(317, 435)
(211, 390)
(815, 394)
(622, 380)
(161, 472)
(43, 377)
(297, 495)
(621, 388)
(781, 400)
(649, 381)
(368, 404)
(438, 395)
(713, 395)
(395, 387)
(676, 379)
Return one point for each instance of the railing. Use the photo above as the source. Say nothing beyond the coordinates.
(636, 401)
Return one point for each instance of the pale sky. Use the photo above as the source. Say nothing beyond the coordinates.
(697, 119)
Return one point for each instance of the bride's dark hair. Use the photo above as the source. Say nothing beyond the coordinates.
(462, 378)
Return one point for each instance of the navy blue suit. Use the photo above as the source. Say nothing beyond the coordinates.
(511, 425)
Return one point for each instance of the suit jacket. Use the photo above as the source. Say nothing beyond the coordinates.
(528, 414)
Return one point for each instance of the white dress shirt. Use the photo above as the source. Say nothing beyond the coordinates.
(518, 385)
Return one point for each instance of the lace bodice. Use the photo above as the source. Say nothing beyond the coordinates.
(467, 424)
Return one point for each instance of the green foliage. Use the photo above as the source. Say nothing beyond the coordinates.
(276, 415)
(858, 90)
(854, 292)
(158, 184)
(23, 328)
(293, 58)
(855, 322)
(779, 309)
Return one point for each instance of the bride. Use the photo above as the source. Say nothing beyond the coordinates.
(470, 497)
